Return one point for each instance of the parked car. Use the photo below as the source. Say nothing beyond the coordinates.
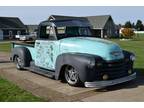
(66, 50)
(31, 36)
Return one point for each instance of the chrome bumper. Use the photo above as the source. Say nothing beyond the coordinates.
(101, 84)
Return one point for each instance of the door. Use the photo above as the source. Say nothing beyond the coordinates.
(47, 50)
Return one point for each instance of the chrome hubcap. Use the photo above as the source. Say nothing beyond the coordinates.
(71, 75)
(18, 62)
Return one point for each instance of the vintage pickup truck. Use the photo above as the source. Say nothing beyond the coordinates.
(66, 50)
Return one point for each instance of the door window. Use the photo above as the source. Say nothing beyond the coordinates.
(47, 32)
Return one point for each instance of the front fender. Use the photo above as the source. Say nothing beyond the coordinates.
(83, 63)
(127, 54)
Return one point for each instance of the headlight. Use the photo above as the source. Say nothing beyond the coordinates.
(130, 71)
(105, 77)
(132, 57)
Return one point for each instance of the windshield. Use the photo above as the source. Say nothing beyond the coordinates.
(64, 32)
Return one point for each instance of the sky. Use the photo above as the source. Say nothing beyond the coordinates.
(36, 14)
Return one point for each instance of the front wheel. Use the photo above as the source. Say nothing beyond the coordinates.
(71, 76)
(18, 62)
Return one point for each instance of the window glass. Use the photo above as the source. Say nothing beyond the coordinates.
(48, 30)
(61, 30)
(10, 33)
(44, 32)
(83, 31)
(18, 32)
(64, 32)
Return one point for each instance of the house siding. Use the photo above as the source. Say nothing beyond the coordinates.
(10, 27)
(109, 29)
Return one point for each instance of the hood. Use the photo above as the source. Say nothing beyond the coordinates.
(106, 49)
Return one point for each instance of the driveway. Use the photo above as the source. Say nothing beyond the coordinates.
(52, 90)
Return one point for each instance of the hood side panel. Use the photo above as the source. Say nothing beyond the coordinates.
(103, 48)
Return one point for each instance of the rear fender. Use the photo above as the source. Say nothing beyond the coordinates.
(23, 53)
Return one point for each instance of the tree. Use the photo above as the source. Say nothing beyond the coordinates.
(119, 25)
(133, 25)
(128, 25)
(127, 33)
(139, 26)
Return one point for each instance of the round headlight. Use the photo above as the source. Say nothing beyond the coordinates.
(105, 77)
(130, 71)
(132, 57)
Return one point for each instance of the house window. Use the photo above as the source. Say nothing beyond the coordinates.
(10, 35)
(18, 32)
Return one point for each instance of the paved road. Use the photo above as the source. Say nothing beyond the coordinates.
(53, 90)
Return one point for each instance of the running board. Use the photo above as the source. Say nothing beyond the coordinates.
(40, 71)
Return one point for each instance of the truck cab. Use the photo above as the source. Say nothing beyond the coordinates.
(52, 34)
(67, 50)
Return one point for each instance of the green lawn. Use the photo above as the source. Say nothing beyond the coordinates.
(5, 46)
(9, 92)
(139, 34)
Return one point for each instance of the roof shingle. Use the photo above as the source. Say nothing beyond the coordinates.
(11, 22)
(98, 21)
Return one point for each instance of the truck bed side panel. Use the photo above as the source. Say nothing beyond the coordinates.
(29, 47)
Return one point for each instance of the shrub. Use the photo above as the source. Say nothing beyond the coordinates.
(127, 33)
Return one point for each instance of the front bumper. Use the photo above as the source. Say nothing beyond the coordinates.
(101, 84)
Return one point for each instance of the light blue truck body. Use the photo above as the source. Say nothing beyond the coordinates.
(45, 52)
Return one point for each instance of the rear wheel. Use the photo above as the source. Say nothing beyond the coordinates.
(71, 76)
(18, 62)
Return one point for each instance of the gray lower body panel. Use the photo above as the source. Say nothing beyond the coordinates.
(41, 71)
(101, 84)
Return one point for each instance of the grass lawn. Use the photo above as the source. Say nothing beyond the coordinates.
(5, 46)
(11, 93)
